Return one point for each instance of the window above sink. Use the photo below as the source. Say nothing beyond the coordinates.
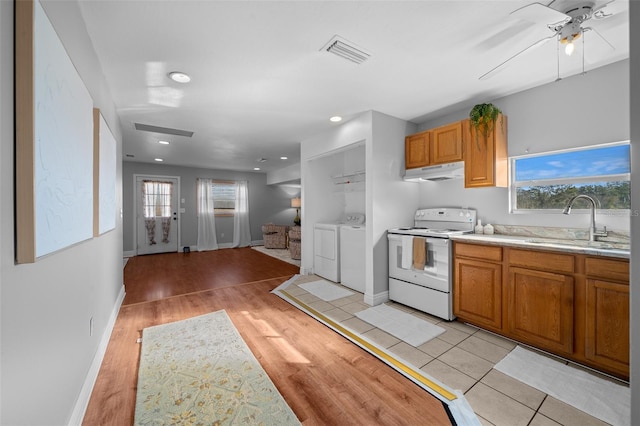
(544, 183)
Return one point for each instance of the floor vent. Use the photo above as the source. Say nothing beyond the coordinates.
(165, 130)
(347, 50)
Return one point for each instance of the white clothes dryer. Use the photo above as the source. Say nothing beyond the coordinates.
(326, 246)
(352, 258)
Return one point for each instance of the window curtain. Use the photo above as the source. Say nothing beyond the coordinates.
(241, 228)
(206, 217)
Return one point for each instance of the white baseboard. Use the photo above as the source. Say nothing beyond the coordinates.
(129, 253)
(376, 299)
(82, 402)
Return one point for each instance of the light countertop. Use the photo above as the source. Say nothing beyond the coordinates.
(596, 248)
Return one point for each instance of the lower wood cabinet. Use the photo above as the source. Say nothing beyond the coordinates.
(572, 305)
(478, 287)
(607, 314)
(540, 309)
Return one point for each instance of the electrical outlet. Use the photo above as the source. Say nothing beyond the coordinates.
(90, 326)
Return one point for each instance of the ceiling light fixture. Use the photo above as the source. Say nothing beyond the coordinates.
(179, 77)
(159, 159)
(256, 168)
(163, 142)
(335, 119)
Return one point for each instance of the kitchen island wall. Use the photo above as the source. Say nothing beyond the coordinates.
(580, 110)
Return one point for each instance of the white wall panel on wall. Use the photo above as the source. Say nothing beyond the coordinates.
(63, 150)
(107, 179)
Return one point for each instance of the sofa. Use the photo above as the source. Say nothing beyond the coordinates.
(295, 242)
(275, 236)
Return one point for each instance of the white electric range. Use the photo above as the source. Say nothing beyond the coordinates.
(427, 285)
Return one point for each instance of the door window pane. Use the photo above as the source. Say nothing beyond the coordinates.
(156, 199)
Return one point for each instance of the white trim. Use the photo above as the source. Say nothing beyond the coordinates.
(376, 299)
(82, 402)
(129, 253)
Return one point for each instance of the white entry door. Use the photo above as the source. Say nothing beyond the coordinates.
(157, 214)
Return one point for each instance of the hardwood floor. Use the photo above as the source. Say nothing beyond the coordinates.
(324, 378)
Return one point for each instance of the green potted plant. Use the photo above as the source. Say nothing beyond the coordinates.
(483, 117)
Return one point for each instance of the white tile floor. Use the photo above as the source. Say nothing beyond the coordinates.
(462, 358)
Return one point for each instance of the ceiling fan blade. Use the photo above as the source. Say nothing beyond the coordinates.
(606, 9)
(541, 14)
(584, 30)
(494, 70)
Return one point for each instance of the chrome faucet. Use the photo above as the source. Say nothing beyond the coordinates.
(593, 232)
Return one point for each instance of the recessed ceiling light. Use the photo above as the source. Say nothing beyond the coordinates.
(335, 118)
(163, 142)
(158, 159)
(179, 77)
(284, 158)
(256, 168)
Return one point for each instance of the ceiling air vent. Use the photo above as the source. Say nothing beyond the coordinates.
(347, 50)
(165, 130)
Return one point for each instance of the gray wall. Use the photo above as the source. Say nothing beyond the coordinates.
(47, 352)
(577, 111)
(267, 203)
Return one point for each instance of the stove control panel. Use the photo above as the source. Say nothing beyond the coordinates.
(446, 215)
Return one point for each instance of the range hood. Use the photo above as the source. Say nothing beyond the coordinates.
(435, 173)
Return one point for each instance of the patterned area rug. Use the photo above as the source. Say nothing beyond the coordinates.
(282, 254)
(200, 371)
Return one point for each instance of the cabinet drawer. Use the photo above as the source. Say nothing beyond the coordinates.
(542, 260)
(609, 269)
(493, 253)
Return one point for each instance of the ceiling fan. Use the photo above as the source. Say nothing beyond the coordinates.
(565, 19)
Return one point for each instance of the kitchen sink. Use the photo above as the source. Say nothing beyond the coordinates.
(603, 245)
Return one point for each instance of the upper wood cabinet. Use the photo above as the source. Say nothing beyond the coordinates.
(417, 150)
(485, 159)
(446, 143)
(434, 146)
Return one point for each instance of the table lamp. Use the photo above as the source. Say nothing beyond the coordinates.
(295, 203)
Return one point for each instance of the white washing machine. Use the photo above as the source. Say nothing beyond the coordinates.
(326, 245)
(352, 249)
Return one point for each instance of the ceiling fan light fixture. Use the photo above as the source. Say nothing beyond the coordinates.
(568, 40)
(569, 48)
